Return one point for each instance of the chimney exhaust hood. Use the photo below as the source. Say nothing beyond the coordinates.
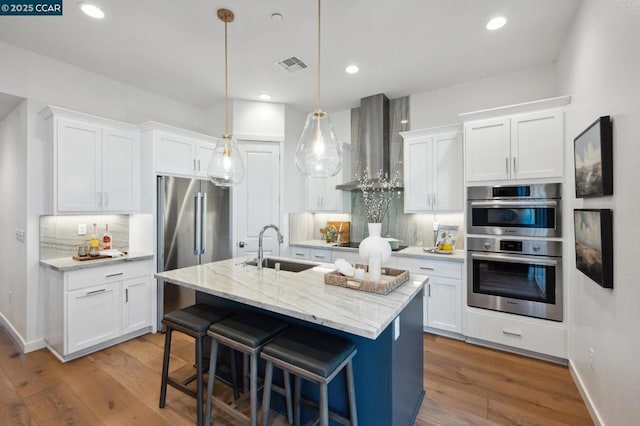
(374, 151)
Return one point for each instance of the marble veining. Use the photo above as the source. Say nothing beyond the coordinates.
(63, 264)
(59, 234)
(302, 295)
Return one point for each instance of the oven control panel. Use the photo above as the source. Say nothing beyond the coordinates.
(512, 245)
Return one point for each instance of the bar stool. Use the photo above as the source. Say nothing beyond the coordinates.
(317, 357)
(245, 332)
(193, 321)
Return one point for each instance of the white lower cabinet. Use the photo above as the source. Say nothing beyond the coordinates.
(92, 316)
(321, 255)
(443, 294)
(299, 253)
(136, 309)
(529, 334)
(89, 309)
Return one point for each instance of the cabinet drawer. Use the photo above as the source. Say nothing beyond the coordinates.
(523, 334)
(436, 268)
(300, 253)
(321, 256)
(106, 274)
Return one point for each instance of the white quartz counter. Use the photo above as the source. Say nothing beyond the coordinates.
(302, 295)
(69, 264)
(456, 256)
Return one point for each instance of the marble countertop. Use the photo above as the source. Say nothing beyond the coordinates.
(411, 251)
(63, 264)
(302, 295)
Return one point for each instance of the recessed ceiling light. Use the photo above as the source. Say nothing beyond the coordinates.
(352, 69)
(497, 22)
(276, 17)
(265, 96)
(92, 10)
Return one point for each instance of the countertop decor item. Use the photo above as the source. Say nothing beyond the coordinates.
(226, 167)
(318, 154)
(389, 281)
(377, 195)
(374, 244)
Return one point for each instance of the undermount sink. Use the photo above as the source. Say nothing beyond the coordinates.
(285, 265)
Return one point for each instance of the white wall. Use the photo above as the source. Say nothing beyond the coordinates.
(441, 106)
(13, 186)
(599, 66)
(45, 81)
(33, 76)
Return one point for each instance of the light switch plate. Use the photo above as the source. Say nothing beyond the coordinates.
(82, 229)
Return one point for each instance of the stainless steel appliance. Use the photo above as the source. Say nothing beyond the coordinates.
(519, 276)
(525, 210)
(193, 228)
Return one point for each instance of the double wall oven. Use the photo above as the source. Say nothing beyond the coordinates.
(514, 255)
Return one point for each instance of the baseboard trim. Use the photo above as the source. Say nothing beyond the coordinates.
(24, 346)
(588, 402)
(444, 333)
(518, 351)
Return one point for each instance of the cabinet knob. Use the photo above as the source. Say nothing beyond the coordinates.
(241, 244)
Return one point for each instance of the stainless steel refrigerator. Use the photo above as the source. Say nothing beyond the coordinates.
(193, 228)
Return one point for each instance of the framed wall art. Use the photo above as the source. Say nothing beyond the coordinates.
(593, 155)
(594, 244)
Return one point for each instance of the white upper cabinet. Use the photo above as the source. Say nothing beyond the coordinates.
(517, 146)
(96, 163)
(321, 195)
(177, 151)
(433, 170)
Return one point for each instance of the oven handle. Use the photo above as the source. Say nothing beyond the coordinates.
(532, 260)
(501, 203)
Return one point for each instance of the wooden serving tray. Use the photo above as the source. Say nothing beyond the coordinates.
(87, 257)
(390, 280)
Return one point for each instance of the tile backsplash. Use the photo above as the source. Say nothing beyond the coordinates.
(59, 234)
(410, 229)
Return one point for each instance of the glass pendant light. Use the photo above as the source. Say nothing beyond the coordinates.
(318, 153)
(226, 167)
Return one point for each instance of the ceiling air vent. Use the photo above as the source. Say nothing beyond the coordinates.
(292, 64)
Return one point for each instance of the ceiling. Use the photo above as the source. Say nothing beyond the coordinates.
(175, 48)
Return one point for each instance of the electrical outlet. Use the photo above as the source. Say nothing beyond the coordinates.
(82, 229)
(592, 359)
(20, 235)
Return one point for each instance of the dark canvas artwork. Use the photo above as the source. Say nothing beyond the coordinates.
(593, 160)
(594, 245)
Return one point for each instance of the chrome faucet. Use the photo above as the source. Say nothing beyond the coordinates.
(260, 259)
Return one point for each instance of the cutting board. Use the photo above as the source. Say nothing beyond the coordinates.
(83, 258)
(346, 229)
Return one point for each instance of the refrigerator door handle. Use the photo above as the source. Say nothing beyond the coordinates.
(203, 224)
(197, 231)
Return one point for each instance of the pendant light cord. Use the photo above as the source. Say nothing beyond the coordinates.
(318, 87)
(226, 101)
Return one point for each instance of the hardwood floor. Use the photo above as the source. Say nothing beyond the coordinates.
(465, 384)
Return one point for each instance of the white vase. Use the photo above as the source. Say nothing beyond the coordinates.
(374, 243)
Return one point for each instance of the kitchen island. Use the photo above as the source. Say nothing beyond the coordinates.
(387, 330)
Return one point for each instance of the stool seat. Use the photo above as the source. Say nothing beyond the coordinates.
(311, 350)
(248, 328)
(245, 332)
(196, 318)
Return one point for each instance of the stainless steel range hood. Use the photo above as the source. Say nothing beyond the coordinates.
(374, 151)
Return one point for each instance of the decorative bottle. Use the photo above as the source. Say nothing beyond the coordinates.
(106, 239)
(94, 242)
